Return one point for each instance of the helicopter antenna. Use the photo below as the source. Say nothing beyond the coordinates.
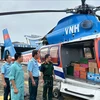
(83, 2)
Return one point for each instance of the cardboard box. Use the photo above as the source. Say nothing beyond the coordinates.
(90, 76)
(91, 69)
(97, 77)
(77, 74)
(76, 65)
(93, 64)
(84, 69)
(76, 68)
(94, 70)
(84, 65)
(83, 74)
(93, 60)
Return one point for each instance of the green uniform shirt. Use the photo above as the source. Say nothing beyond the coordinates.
(47, 68)
(17, 74)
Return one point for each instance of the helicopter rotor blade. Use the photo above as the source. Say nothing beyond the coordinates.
(30, 11)
(97, 8)
(35, 11)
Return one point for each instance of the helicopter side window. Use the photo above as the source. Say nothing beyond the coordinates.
(43, 52)
(54, 54)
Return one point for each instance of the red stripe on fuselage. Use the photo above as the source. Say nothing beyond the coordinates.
(27, 57)
(6, 36)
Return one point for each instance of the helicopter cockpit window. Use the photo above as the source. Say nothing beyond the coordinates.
(54, 54)
(43, 52)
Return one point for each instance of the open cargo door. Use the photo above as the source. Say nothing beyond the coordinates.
(97, 51)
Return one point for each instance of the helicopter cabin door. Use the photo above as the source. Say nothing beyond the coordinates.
(54, 51)
(97, 51)
(55, 57)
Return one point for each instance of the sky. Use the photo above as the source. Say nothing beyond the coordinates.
(41, 23)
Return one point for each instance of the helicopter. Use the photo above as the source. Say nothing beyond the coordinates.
(74, 37)
(82, 10)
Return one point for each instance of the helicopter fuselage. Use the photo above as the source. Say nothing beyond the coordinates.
(74, 27)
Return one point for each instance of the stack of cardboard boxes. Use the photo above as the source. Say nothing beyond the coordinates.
(85, 69)
(93, 66)
(77, 70)
(80, 70)
(93, 73)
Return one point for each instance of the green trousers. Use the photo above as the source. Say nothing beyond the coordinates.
(47, 88)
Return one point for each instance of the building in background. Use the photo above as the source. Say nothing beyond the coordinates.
(34, 40)
(19, 47)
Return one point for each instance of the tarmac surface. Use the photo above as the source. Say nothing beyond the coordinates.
(39, 96)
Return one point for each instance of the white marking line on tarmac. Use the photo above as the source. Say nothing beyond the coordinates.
(26, 82)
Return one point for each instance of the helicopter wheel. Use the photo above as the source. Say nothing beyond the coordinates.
(56, 93)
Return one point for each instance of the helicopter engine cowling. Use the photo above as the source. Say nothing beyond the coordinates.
(74, 27)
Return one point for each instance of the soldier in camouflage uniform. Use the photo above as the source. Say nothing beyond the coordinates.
(47, 73)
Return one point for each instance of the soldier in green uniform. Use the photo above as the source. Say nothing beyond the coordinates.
(47, 73)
